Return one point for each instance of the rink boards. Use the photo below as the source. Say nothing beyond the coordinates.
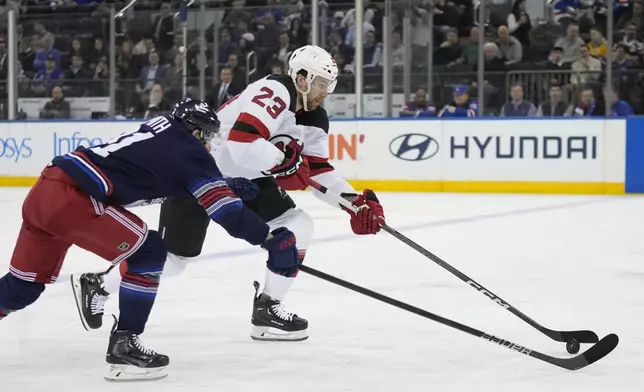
(577, 156)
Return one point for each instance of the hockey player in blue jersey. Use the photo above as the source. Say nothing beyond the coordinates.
(80, 199)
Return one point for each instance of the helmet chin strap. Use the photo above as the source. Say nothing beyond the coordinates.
(305, 105)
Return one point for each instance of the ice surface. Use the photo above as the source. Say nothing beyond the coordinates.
(570, 262)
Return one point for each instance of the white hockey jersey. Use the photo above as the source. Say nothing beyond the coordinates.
(263, 115)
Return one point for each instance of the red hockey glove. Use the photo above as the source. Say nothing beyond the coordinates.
(294, 172)
(370, 212)
(297, 181)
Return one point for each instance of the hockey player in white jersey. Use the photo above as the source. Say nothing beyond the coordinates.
(276, 133)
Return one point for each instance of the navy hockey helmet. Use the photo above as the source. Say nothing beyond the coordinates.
(195, 114)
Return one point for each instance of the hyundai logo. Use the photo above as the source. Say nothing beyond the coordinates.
(413, 147)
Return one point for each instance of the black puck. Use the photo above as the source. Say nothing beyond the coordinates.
(572, 346)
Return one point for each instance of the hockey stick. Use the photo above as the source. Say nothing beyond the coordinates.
(598, 351)
(572, 338)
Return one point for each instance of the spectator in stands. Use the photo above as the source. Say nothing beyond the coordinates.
(588, 105)
(285, 48)
(555, 60)
(571, 44)
(637, 18)
(272, 8)
(621, 58)
(224, 90)
(267, 40)
(397, 50)
(372, 52)
(240, 30)
(419, 107)
(238, 73)
(462, 105)
(101, 76)
(510, 47)
(226, 46)
(126, 67)
(556, 106)
(174, 79)
(336, 25)
(195, 66)
(349, 22)
(77, 49)
(237, 14)
(519, 24)
(450, 51)
(471, 48)
(42, 53)
(337, 46)
(587, 67)
(153, 105)
(58, 107)
(49, 72)
(567, 11)
(77, 78)
(597, 44)
(177, 44)
(96, 53)
(163, 27)
(275, 68)
(494, 67)
(630, 39)
(619, 107)
(246, 45)
(24, 43)
(345, 83)
(298, 34)
(420, 32)
(518, 106)
(42, 38)
(150, 75)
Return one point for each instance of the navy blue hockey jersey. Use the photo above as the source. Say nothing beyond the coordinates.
(160, 159)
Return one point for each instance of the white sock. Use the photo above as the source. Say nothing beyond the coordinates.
(276, 286)
(113, 280)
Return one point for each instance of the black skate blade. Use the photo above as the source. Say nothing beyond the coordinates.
(78, 300)
(278, 340)
(590, 356)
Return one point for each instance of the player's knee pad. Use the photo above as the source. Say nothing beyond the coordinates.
(174, 265)
(150, 257)
(300, 223)
(16, 294)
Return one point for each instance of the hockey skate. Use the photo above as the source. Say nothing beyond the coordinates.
(90, 296)
(129, 360)
(271, 321)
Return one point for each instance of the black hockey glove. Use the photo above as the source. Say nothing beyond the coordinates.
(244, 188)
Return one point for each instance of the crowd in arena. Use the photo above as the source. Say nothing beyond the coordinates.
(533, 66)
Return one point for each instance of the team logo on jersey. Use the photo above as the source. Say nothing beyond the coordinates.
(124, 246)
(414, 147)
(282, 140)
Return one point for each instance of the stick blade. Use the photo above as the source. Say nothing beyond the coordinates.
(590, 356)
(580, 336)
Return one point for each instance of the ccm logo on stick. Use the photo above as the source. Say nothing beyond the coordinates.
(488, 294)
(413, 147)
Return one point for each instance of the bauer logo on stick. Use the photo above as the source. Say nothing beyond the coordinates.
(413, 147)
